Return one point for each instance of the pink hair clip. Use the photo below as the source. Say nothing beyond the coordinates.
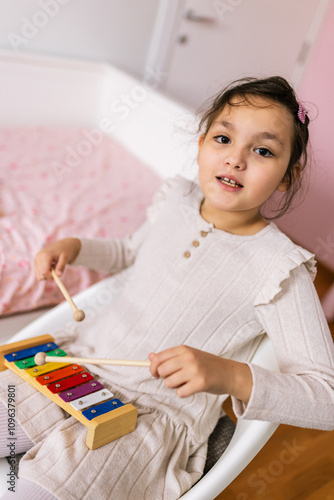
(301, 113)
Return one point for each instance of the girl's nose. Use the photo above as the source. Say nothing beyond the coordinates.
(236, 160)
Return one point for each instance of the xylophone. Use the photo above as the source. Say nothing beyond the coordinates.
(72, 388)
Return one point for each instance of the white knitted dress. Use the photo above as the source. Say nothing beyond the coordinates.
(189, 284)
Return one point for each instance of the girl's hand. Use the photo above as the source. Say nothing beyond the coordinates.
(190, 370)
(56, 256)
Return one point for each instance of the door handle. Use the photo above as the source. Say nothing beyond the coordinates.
(191, 15)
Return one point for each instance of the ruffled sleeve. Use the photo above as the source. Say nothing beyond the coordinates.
(288, 309)
(282, 271)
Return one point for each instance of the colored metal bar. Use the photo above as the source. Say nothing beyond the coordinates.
(92, 399)
(81, 391)
(67, 383)
(102, 409)
(30, 362)
(37, 371)
(59, 374)
(26, 353)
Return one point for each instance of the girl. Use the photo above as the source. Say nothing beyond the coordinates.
(209, 276)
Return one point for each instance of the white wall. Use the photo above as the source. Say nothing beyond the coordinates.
(116, 31)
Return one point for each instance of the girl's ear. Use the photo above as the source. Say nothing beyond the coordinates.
(200, 141)
(283, 186)
(286, 182)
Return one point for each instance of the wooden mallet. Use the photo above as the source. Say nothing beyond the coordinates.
(41, 358)
(78, 315)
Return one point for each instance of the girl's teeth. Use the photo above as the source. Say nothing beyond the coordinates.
(229, 182)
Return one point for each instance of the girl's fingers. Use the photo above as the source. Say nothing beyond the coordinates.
(56, 255)
(176, 379)
(190, 370)
(184, 381)
(159, 366)
(178, 367)
(186, 390)
(43, 263)
(41, 267)
(153, 366)
(61, 264)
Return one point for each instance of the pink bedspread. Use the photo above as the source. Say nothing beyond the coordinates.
(56, 183)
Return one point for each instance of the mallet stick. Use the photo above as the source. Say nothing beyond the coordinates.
(41, 358)
(78, 315)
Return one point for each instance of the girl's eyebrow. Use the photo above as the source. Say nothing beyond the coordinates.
(263, 135)
(271, 137)
(224, 123)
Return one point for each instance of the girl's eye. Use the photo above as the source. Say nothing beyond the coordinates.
(264, 152)
(222, 139)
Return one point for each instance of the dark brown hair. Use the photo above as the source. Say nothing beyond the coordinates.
(277, 90)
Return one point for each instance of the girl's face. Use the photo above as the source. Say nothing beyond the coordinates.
(242, 160)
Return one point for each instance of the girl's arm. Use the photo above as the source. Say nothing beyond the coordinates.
(302, 393)
(105, 255)
(109, 256)
(190, 370)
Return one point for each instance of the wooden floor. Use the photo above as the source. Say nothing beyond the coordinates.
(295, 464)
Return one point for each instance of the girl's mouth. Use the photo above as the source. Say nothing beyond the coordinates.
(229, 182)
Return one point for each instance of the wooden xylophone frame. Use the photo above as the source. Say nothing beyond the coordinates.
(102, 429)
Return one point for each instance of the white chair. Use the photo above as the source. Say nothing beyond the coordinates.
(248, 439)
(249, 436)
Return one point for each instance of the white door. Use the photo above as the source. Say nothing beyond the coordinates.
(218, 41)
